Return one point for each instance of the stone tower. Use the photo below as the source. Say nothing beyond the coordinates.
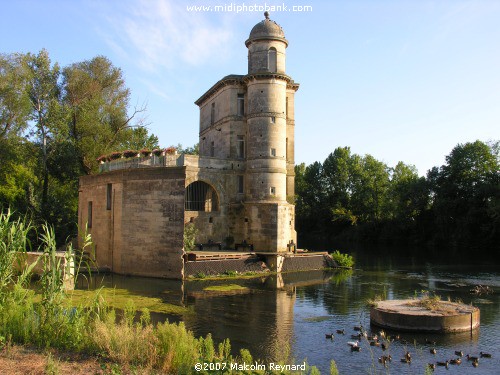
(270, 126)
(247, 149)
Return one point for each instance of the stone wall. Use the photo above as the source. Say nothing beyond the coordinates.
(137, 220)
(215, 267)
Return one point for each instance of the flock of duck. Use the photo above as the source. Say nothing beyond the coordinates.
(383, 341)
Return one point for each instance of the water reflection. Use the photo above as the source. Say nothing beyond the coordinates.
(290, 313)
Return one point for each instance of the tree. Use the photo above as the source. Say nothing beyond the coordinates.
(466, 192)
(138, 139)
(46, 112)
(98, 101)
(369, 188)
(14, 100)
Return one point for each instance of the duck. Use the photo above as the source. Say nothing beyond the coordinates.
(384, 359)
(358, 328)
(329, 336)
(406, 360)
(353, 343)
(432, 366)
(340, 331)
(374, 343)
(382, 334)
(475, 363)
(355, 348)
(455, 361)
(459, 353)
(374, 337)
(408, 356)
(473, 359)
(445, 364)
(485, 355)
(359, 336)
(433, 351)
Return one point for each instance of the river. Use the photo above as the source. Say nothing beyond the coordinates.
(285, 317)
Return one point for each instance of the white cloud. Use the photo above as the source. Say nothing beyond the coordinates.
(159, 34)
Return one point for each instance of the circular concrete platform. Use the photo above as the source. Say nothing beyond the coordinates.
(413, 315)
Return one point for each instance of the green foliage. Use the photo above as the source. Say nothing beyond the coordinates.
(190, 233)
(54, 123)
(351, 197)
(343, 260)
(194, 150)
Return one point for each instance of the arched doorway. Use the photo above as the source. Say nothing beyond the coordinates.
(200, 196)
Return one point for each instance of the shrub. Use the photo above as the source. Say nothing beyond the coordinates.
(343, 260)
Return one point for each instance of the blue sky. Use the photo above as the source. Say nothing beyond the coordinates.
(400, 80)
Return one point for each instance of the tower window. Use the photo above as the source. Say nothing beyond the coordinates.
(240, 146)
(212, 114)
(240, 184)
(273, 120)
(212, 149)
(273, 190)
(271, 60)
(273, 152)
(241, 105)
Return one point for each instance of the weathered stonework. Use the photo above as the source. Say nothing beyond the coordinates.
(238, 192)
(142, 231)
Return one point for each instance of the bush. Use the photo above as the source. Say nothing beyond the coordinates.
(343, 260)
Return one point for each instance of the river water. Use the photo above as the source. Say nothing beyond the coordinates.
(285, 317)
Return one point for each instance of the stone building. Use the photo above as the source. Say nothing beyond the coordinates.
(238, 192)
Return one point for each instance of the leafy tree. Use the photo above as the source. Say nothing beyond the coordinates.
(138, 139)
(98, 102)
(46, 112)
(466, 191)
(14, 100)
(193, 150)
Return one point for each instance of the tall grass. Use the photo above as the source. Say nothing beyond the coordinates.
(42, 315)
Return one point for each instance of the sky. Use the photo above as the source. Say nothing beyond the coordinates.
(402, 80)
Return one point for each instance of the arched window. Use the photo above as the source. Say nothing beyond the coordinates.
(271, 60)
(200, 196)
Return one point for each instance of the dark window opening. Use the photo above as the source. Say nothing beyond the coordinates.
(109, 196)
(241, 105)
(212, 149)
(240, 185)
(212, 114)
(200, 196)
(89, 215)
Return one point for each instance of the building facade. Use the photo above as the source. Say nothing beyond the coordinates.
(238, 193)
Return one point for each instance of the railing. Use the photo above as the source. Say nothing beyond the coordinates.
(170, 160)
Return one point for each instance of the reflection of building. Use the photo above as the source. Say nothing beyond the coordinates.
(262, 320)
(238, 191)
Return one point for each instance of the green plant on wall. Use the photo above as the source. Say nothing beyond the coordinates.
(190, 233)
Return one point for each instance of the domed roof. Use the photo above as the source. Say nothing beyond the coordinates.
(266, 29)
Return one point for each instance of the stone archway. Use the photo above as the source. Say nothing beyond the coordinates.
(200, 196)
